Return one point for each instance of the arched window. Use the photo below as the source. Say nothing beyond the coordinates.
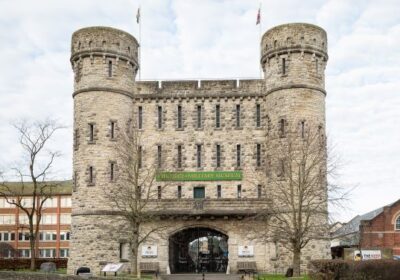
(398, 223)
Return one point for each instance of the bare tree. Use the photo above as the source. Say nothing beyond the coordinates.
(299, 192)
(33, 175)
(136, 192)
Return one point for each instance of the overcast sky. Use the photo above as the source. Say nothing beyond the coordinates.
(217, 39)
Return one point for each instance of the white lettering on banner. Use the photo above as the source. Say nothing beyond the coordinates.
(371, 254)
(246, 251)
(149, 251)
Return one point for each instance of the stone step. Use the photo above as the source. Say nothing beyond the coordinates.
(207, 276)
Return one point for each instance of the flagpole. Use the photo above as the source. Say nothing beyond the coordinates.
(260, 31)
(140, 44)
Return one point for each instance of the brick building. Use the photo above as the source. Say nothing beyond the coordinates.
(382, 231)
(54, 231)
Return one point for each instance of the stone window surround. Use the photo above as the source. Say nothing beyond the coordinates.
(397, 221)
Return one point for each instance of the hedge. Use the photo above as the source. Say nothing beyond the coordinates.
(354, 270)
(19, 263)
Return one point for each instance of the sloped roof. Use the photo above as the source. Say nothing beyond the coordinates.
(353, 225)
(59, 187)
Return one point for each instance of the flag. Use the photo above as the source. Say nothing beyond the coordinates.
(258, 17)
(138, 15)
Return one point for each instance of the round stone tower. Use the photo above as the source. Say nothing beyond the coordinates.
(293, 58)
(104, 61)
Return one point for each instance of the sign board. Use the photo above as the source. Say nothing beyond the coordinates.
(149, 251)
(367, 255)
(245, 251)
(112, 267)
(200, 176)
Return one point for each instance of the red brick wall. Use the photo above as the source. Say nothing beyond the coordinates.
(380, 232)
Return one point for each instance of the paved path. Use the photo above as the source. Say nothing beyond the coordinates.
(200, 277)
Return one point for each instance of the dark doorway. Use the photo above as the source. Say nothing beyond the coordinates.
(197, 250)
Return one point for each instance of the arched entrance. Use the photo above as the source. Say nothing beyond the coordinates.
(198, 249)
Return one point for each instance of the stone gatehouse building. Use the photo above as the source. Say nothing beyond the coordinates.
(212, 141)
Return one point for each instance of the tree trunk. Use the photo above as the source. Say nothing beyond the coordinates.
(33, 255)
(296, 262)
(134, 258)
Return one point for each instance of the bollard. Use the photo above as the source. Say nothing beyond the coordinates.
(203, 275)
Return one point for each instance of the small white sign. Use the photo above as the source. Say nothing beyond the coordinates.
(246, 251)
(149, 251)
(112, 267)
(371, 254)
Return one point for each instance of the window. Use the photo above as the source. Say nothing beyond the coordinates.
(140, 157)
(64, 236)
(198, 156)
(23, 236)
(281, 171)
(75, 183)
(282, 127)
(239, 191)
(66, 201)
(91, 132)
(64, 253)
(179, 191)
(7, 219)
(112, 130)
(91, 175)
(65, 219)
(140, 117)
(198, 121)
(259, 191)
(199, 192)
(27, 202)
(179, 162)
(76, 131)
(49, 219)
(238, 115)
(159, 193)
(179, 116)
(24, 220)
(316, 66)
(5, 204)
(50, 202)
(238, 152)
(47, 253)
(47, 236)
(110, 68)
(258, 115)
(159, 117)
(398, 223)
(7, 236)
(124, 250)
(219, 191)
(283, 66)
(112, 171)
(159, 156)
(302, 129)
(24, 253)
(258, 155)
(217, 116)
(218, 155)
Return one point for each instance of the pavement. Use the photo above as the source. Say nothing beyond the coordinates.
(200, 277)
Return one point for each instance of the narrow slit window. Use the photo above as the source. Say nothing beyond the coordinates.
(179, 116)
(219, 191)
(238, 153)
(76, 136)
(258, 153)
(218, 155)
(238, 115)
(179, 161)
(91, 175)
(259, 191)
(316, 66)
(159, 156)
(140, 117)
(140, 157)
(239, 191)
(302, 129)
(217, 116)
(179, 192)
(110, 68)
(75, 186)
(199, 116)
(281, 168)
(91, 132)
(159, 116)
(282, 127)
(159, 192)
(112, 171)
(258, 115)
(198, 156)
(112, 130)
(283, 66)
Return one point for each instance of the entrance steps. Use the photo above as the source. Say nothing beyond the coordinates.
(207, 276)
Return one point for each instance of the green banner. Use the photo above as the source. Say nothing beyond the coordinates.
(200, 176)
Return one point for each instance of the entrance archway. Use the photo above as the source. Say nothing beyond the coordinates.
(198, 249)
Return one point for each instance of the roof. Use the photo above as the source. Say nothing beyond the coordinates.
(353, 225)
(60, 187)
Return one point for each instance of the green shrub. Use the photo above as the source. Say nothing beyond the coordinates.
(17, 264)
(354, 270)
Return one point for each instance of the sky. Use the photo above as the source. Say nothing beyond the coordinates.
(184, 39)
